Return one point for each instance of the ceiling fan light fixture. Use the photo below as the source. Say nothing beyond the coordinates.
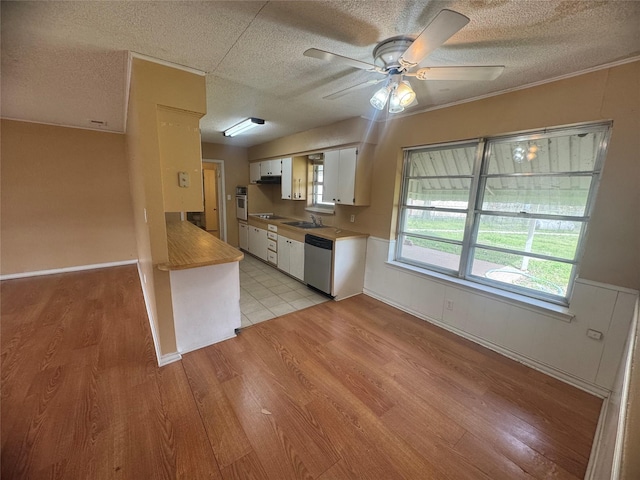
(405, 93)
(394, 103)
(243, 126)
(379, 99)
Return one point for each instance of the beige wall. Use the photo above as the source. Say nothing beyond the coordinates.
(153, 85)
(65, 198)
(350, 131)
(612, 251)
(236, 172)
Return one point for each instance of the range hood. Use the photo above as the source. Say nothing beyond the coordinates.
(270, 180)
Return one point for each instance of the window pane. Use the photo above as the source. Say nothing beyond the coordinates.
(435, 224)
(564, 153)
(562, 195)
(429, 252)
(439, 192)
(555, 238)
(442, 162)
(522, 271)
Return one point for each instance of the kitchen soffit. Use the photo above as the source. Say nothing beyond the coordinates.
(66, 62)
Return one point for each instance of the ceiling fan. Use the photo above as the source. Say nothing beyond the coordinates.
(396, 57)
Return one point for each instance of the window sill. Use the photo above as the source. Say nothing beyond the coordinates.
(326, 211)
(538, 306)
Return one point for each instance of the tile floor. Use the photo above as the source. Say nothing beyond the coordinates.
(267, 293)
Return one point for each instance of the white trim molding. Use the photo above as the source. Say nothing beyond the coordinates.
(161, 359)
(77, 268)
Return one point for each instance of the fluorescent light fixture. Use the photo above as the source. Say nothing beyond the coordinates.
(243, 126)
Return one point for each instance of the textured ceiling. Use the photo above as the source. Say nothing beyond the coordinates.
(65, 62)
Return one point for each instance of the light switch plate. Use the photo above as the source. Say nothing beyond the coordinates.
(183, 179)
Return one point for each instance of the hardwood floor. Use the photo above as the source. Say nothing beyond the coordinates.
(351, 389)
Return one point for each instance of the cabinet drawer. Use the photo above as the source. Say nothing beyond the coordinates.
(272, 228)
(272, 236)
(272, 257)
(272, 245)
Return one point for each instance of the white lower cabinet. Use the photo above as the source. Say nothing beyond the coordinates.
(291, 257)
(258, 242)
(243, 236)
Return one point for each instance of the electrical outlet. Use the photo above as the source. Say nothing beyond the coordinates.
(595, 334)
(449, 304)
(353, 218)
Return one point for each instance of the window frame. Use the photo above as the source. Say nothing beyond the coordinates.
(324, 206)
(474, 211)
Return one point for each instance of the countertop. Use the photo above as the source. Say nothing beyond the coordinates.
(191, 247)
(331, 233)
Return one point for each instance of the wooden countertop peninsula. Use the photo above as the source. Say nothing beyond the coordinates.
(192, 247)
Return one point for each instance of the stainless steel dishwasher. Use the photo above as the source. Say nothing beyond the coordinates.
(318, 262)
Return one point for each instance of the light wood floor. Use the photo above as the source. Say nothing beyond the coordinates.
(351, 389)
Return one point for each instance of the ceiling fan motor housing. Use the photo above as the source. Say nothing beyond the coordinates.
(388, 52)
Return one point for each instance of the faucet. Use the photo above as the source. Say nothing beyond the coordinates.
(317, 221)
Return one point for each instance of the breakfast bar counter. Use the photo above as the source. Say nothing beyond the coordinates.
(205, 286)
(191, 247)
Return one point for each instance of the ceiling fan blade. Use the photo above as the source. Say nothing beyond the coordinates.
(332, 57)
(441, 28)
(353, 88)
(485, 73)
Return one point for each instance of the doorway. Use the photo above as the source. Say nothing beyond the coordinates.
(214, 220)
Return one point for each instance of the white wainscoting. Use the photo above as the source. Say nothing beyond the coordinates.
(531, 336)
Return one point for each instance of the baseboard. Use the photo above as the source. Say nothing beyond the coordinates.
(595, 456)
(161, 359)
(169, 358)
(78, 268)
(529, 362)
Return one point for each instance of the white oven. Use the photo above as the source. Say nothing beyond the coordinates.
(241, 203)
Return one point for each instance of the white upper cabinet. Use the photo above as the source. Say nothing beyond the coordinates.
(271, 168)
(347, 177)
(254, 172)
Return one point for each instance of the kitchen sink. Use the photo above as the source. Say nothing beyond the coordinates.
(267, 216)
(303, 224)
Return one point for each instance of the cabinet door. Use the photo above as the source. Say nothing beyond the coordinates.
(283, 254)
(347, 176)
(276, 167)
(254, 172)
(271, 168)
(331, 176)
(243, 236)
(287, 178)
(258, 242)
(296, 259)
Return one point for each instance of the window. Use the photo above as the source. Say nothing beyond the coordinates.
(318, 179)
(509, 212)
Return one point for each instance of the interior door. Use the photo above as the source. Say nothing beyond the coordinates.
(211, 219)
